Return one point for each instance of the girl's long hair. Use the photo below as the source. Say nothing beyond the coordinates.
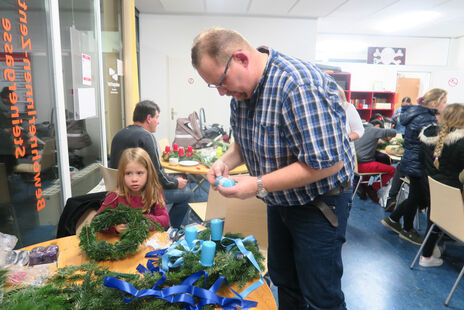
(451, 118)
(152, 192)
(432, 98)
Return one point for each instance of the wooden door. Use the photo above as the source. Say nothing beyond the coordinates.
(406, 87)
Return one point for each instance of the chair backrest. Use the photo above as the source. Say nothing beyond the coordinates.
(248, 217)
(447, 208)
(110, 177)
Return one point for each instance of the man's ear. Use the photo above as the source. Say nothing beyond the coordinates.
(242, 58)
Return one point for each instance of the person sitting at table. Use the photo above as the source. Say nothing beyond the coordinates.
(365, 154)
(396, 116)
(140, 134)
(354, 125)
(442, 156)
(415, 117)
(133, 189)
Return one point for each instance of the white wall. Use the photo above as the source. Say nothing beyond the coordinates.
(167, 77)
(441, 59)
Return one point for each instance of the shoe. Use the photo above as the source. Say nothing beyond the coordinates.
(390, 205)
(438, 250)
(395, 226)
(430, 261)
(362, 192)
(411, 236)
(372, 194)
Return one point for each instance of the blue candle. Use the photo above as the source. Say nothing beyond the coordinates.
(190, 235)
(208, 250)
(216, 229)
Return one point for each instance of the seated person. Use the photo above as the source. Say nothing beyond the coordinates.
(365, 153)
(442, 154)
(140, 134)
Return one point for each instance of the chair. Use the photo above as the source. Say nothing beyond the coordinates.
(248, 217)
(110, 177)
(214, 208)
(377, 176)
(47, 160)
(446, 212)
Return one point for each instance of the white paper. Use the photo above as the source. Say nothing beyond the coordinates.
(86, 70)
(86, 103)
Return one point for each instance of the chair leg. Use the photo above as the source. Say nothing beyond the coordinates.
(454, 287)
(422, 246)
(356, 189)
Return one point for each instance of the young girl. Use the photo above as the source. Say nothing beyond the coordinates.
(137, 187)
(415, 117)
(443, 158)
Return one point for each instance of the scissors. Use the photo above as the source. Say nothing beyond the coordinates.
(176, 234)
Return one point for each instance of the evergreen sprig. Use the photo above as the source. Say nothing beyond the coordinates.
(138, 226)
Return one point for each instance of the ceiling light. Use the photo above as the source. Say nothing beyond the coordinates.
(405, 21)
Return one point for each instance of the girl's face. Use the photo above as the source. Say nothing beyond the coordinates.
(441, 104)
(135, 177)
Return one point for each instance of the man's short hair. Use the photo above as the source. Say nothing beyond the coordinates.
(143, 109)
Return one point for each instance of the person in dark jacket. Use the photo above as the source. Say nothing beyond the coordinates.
(443, 158)
(414, 118)
(140, 134)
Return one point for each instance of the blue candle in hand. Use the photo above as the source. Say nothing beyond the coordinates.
(216, 229)
(208, 250)
(190, 235)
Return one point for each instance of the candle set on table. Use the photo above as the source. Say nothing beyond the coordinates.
(208, 248)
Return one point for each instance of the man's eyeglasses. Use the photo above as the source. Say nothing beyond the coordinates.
(223, 75)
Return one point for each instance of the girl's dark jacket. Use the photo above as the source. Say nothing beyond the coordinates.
(451, 161)
(414, 118)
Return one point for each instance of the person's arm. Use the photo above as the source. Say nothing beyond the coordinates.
(295, 175)
(387, 134)
(228, 161)
(159, 214)
(354, 122)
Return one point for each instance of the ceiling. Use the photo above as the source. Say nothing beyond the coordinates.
(334, 16)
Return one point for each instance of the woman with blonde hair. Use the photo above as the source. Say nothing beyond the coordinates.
(137, 187)
(415, 117)
(443, 158)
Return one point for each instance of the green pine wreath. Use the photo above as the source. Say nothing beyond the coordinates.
(138, 229)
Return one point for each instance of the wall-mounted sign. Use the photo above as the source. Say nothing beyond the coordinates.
(386, 55)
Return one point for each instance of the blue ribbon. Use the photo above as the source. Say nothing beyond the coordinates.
(239, 243)
(182, 293)
(167, 256)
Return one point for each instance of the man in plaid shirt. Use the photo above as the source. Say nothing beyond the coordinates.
(289, 129)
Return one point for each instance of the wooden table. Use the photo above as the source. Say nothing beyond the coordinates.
(71, 254)
(199, 171)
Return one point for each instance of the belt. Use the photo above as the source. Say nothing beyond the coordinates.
(338, 190)
(325, 209)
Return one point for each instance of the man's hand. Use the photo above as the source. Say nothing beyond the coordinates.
(120, 227)
(245, 187)
(182, 182)
(219, 168)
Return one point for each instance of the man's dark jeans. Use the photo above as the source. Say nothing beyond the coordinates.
(180, 211)
(304, 256)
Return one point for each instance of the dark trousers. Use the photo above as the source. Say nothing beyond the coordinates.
(304, 255)
(427, 251)
(418, 198)
(180, 210)
(396, 183)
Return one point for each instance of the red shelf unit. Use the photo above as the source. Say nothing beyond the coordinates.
(366, 102)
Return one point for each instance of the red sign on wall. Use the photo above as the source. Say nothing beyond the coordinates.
(386, 55)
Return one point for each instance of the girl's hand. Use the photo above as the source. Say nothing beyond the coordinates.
(120, 227)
